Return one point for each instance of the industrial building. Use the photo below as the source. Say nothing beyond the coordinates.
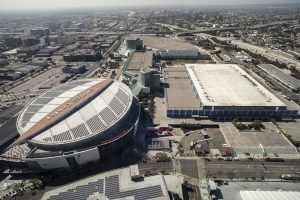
(134, 43)
(83, 55)
(181, 54)
(73, 124)
(220, 92)
(284, 79)
(136, 61)
(71, 69)
(130, 45)
(40, 32)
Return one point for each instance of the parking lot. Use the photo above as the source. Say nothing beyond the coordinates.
(215, 140)
(48, 79)
(257, 142)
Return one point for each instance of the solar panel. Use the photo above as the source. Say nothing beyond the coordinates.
(64, 136)
(27, 116)
(95, 124)
(116, 106)
(80, 131)
(81, 192)
(34, 108)
(42, 101)
(53, 93)
(112, 191)
(47, 139)
(123, 96)
(107, 115)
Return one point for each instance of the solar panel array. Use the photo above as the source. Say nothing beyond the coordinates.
(123, 96)
(117, 107)
(95, 124)
(37, 104)
(64, 136)
(42, 101)
(47, 139)
(81, 192)
(107, 115)
(53, 93)
(112, 191)
(80, 131)
(34, 108)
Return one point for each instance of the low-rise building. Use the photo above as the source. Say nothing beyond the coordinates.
(78, 69)
(86, 55)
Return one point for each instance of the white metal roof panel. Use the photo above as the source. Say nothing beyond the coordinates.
(59, 128)
(47, 108)
(270, 195)
(69, 94)
(87, 112)
(37, 117)
(58, 101)
(81, 88)
(98, 104)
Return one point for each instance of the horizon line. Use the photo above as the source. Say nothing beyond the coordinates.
(144, 6)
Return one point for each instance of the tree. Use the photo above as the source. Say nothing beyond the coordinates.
(257, 125)
(241, 126)
(162, 157)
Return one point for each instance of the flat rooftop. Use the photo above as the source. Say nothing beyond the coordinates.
(165, 43)
(116, 184)
(229, 85)
(233, 189)
(140, 60)
(258, 142)
(179, 89)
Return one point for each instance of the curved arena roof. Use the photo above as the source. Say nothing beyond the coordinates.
(74, 112)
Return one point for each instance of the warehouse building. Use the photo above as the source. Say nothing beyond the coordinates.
(181, 54)
(70, 69)
(136, 61)
(284, 79)
(83, 55)
(220, 92)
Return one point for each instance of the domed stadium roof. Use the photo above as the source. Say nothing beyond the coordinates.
(74, 112)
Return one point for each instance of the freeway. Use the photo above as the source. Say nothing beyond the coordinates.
(268, 53)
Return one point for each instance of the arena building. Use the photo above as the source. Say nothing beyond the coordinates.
(74, 124)
(220, 92)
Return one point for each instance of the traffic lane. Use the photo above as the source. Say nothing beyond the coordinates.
(250, 169)
(155, 167)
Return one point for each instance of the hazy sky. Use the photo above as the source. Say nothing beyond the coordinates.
(52, 4)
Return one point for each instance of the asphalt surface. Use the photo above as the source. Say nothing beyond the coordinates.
(249, 169)
(156, 167)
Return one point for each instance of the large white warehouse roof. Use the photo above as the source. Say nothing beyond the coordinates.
(228, 85)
